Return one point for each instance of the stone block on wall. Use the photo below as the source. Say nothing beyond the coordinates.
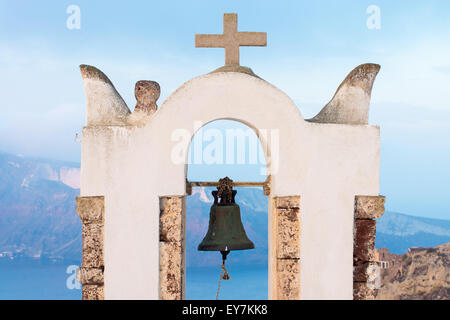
(365, 271)
(171, 271)
(91, 276)
(91, 209)
(369, 207)
(92, 246)
(171, 215)
(93, 292)
(365, 268)
(287, 202)
(361, 291)
(288, 279)
(364, 240)
(288, 233)
(92, 213)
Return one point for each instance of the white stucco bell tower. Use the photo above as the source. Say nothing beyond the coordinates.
(323, 185)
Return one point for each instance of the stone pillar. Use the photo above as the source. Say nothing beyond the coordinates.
(367, 209)
(287, 211)
(92, 213)
(171, 248)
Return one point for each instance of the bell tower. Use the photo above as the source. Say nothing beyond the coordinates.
(322, 182)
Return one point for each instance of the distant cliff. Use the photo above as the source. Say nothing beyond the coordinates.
(37, 210)
(421, 274)
(398, 232)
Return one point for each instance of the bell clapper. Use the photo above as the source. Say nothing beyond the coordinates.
(224, 255)
(224, 276)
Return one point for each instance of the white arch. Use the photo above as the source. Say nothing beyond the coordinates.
(261, 140)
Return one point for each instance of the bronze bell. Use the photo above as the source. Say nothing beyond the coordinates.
(225, 232)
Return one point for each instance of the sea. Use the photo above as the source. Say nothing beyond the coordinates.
(35, 281)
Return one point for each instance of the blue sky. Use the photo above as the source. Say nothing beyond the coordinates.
(312, 45)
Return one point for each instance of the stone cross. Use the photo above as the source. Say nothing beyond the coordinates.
(231, 39)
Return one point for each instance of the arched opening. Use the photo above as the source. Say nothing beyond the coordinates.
(218, 149)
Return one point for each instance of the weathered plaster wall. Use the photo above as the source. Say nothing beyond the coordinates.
(327, 164)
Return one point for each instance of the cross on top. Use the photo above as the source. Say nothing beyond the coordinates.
(231, 39)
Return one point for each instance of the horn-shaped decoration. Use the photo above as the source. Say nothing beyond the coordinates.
(350, 104)
(105, 106)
